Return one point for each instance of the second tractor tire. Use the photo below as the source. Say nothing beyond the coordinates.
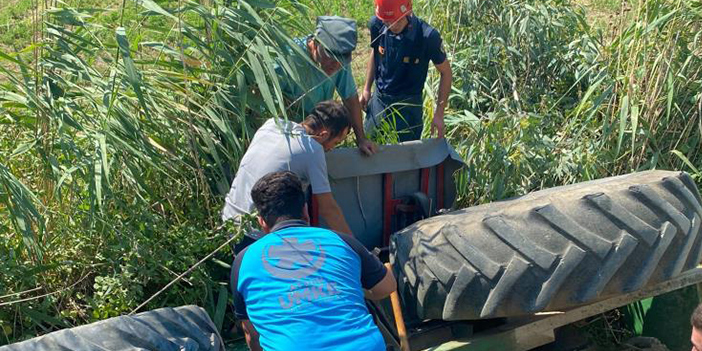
(550, 250)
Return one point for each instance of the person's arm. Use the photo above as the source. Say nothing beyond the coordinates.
(384, 288)
(251, 336)
(444, 69)
(370, 78)
(331, 212)
(239, 303)
(366, 146)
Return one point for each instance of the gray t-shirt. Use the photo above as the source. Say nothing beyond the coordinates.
(284, 146)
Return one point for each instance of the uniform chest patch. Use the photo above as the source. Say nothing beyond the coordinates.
(293, 259)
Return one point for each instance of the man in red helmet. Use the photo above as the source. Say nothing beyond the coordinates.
(402, 46)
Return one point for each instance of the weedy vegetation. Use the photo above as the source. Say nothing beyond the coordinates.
(541, 98)
(121, 128)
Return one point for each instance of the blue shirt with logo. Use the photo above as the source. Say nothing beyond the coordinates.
(402, 60)
(302, 289)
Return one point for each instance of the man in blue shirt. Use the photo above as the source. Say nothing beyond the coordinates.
(322, 68)
(402, 46)
(302, 288)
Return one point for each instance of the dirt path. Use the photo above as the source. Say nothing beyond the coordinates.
(361, 56)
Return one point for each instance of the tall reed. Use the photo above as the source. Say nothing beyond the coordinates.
(126, 130)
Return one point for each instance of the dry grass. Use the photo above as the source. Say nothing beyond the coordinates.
(606, 15)
(361, 57)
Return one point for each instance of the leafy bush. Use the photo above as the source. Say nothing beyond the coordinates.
(124, 142)
(540, 99)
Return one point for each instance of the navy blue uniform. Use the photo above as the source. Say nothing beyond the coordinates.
(302, 289)
(401, 67)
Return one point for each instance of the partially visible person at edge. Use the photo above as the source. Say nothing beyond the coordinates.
(401, 47)
(281, 145)
(325, 70)
(696, 321)
(303, 288)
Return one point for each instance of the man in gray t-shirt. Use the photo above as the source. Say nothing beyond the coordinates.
(281, 145)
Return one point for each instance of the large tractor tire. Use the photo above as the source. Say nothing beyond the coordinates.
(550, 250)
(164, 329)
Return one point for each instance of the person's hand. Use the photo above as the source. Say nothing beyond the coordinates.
(438, 123)
(364, 99)
(367, 147)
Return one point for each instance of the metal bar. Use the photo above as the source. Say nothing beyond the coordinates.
(526, 333)
(425, 181)
(388, 208)
(384, 324)
(439, 186)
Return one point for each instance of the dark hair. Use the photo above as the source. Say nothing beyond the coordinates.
(278, 196)
(696, 319)
(331, 115)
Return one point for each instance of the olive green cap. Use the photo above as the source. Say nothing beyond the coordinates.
(338, 36)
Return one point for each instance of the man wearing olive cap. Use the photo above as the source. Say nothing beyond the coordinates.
(326, 69)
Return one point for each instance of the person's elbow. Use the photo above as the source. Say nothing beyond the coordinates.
(327, 205)
(384, 288)
(444, 69)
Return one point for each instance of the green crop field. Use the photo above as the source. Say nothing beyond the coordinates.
(123, 121)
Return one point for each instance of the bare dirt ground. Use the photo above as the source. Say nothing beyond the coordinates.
(360, 57)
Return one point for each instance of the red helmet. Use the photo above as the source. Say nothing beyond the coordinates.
(392, 10)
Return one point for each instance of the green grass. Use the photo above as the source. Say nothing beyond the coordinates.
(173, 112)
(606, 6)
(17, 18)
(607, 15)
(360, 10)
(15, 23)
